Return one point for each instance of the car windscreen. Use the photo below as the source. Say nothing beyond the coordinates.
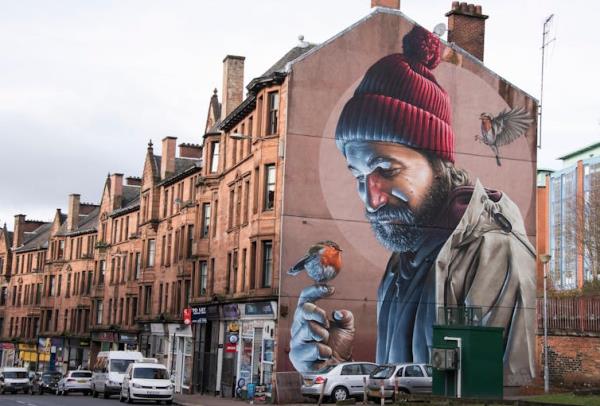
(382, 372)
(51, 377)
(119, 365)
(15, 375)
(81, 374)
(150, 373)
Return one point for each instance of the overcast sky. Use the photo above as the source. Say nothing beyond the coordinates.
(85, 84)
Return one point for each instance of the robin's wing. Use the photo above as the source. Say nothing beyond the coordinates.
(299, 267)
(510, 125)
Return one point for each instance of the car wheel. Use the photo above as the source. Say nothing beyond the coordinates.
(121, 397)
(65, 392)
(94, 393)
(129, 400)
(339, 393)
(105, 394)
(169, 402)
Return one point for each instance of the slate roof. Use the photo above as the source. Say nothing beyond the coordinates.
(182, 166)
(37, 239)
(280, 65)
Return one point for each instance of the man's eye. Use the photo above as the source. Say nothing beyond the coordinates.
(389, 173)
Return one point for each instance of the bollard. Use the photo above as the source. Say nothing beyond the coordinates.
(364, 390)
(395, 389)
(322, 392)
(382, 392)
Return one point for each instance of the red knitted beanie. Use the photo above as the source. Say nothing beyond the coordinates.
(399, 101)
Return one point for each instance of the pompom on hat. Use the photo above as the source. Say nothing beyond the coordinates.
(399, 101)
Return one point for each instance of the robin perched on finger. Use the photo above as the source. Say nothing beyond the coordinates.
(322, 262)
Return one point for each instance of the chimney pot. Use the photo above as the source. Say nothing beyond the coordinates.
(233, 83)
(167, 161)
(478, 9)
(455, 5)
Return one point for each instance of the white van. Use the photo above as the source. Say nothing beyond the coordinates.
(147, 380)
(109, 370)
(14, 380)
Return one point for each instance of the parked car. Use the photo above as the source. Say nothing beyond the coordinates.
(75, 381)
(343, 380)
(109, 370)
(147, 380)
(14, 380)
(49, 382)
(411, 378)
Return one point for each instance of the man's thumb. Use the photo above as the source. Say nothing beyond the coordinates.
(343, 319)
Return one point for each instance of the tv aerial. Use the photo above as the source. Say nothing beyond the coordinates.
(440, 29)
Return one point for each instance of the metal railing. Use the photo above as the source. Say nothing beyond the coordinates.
(571, 314)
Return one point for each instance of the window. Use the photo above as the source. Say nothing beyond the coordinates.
(228, 276)
(255, 203)
(243, 287)
(234, 267)
(61, 249)
(273, 111)
(269, 187)
(205, 220)
(147, 299)
(368, 368)
(352, 369)
(165, 202)
(253, 265)
(212, 275)
(231, 200)
(99, 311)
(138, 265)
(163, 250)
(238, 204)
(246, 200)
(203, 277)
(3, 295)
(190, 242)
(151, 252)
(68, 291)
(214, 224)
(101, 272)
(413, 371)
(214, 157)
(267, 263)
(168, 254)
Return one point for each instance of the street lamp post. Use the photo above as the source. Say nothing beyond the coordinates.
(545, 259)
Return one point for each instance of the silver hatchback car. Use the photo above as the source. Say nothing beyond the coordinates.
(343, 380)
(410, 378)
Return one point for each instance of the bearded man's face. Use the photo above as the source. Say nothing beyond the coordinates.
(399, 188)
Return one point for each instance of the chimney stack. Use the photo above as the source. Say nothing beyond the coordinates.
(193, 151)
(167, 161)
(386, 3)
(466, 28)
(18, 230)
(116, 190)
(133, 181)
(73, 214)
(233, 83)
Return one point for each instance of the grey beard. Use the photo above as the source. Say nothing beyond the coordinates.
(396, 228)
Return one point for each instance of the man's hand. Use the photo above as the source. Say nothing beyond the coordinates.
(317, 341)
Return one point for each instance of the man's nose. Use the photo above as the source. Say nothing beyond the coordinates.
(377, 191)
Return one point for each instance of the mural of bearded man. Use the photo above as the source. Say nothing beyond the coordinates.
(453, 242)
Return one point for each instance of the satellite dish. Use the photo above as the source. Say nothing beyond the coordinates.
(440, 29)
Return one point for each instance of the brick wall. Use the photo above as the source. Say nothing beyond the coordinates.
(572, 360)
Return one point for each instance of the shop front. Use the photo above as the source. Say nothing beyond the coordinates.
(128, 342)
(231, 327)
(206, 333)
(256, 345)
(102, 341)
(8, 354)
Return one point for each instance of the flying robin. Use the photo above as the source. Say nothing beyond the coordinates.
(322, 262)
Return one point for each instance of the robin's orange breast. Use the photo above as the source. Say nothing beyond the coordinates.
(331, 257)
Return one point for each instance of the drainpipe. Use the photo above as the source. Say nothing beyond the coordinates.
(459, 372)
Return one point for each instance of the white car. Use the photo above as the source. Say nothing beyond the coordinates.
(14, 380)
(341, 381)
(147, 380)
(75, 381)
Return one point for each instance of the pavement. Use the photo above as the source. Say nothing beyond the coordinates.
(209, 400)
